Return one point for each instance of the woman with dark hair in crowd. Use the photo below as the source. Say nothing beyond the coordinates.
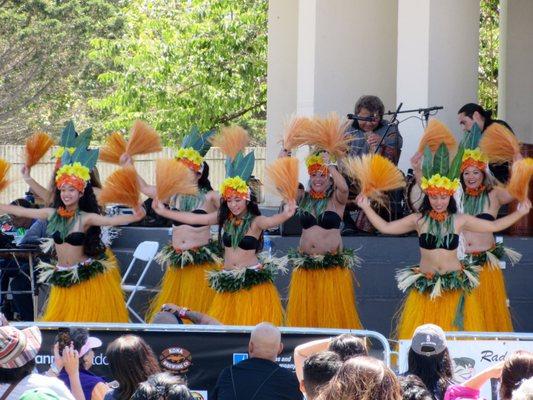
(191, 253)
(439, 289)
(362, 378)
(78, 339)
(245, 293)
(131, 361)
(430, 360)
(413, 388)
(163, 386)
(86, 279)
(516, 368)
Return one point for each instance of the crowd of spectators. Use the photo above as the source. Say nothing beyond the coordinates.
(329, 369)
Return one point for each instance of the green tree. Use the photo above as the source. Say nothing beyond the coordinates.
(45, 75)
(184, 63)
(489, 52)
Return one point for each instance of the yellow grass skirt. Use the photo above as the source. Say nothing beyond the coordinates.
(492, 296)
(322, 298)
(260, 303)
(97, 299)
(186, 287)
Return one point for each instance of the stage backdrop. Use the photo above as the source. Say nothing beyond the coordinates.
(198, 353)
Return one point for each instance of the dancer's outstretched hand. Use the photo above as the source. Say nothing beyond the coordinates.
(289, 208)
(524, 207)
(157, 206)
(362, 202)
(139, 212)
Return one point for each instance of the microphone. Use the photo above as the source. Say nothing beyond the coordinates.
(358, 118)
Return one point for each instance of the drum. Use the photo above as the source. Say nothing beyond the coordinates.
(413, 195)
(524, 227)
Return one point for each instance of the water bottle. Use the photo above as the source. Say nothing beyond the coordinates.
(268, 245)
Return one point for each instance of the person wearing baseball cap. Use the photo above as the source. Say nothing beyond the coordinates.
(18, 349)
(430, 360)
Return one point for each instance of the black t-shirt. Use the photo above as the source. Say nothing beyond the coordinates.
(274, 382)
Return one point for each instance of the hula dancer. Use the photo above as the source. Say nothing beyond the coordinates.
(85, 279)
(191, 252)
(245, 292)
(439, 289)
(321, 292)
(483, 199)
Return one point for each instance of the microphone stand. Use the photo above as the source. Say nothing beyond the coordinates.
(394, 115)
(426, 111)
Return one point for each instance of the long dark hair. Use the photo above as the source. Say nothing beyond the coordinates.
(224, 213)
(163, 386)
(131, 361)
(425, 208)
(203, 182)
(92, 246)
(470, 108)
(517, 367)
(94, 181)
(436, 371)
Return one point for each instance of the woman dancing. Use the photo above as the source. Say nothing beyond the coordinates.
(439, 289)
(191, 252)
(245, 293)
(86, 278)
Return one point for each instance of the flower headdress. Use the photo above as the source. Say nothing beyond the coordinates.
(232, 142)
(440, 177)
(316, 163)
(194, 148)
(473, 156)
(76, 166)
(70, 141)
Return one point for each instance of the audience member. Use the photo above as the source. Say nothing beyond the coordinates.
(524, 391)
(39, 394)
(18, 349)
(131, 361)
(345, 345)
(362, 378)
(258, 377)
(413, 388)
(429, 359)
(173, 314)
(471, 387)
(94, 387)
(517, 367)
(318, 370)
(163, 386)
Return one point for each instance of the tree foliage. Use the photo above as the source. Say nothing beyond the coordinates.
(45, 75)
(489, 52)
(184, 63)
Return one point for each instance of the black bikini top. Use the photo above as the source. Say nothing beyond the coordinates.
(246, 243)
(429, 242)
(74, 238)
(486, 216)
(328, 220)
(197, 211)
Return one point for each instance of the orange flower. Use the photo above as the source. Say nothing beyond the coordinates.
(475, 192)
(438, 216)
(64, 213)
(317, 195)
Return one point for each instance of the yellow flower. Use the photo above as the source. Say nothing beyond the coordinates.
(475, 154)
(190, 154)
(236, 183)
(61, 150)
(314, 159)
(76, 169)
(438, 181)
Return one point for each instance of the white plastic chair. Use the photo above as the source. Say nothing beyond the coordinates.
(146, 252)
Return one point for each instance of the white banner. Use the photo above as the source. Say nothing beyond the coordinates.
(473, 356)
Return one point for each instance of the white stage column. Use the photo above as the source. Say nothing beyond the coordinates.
(438, 46)
(324, 54)
(515, 100)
